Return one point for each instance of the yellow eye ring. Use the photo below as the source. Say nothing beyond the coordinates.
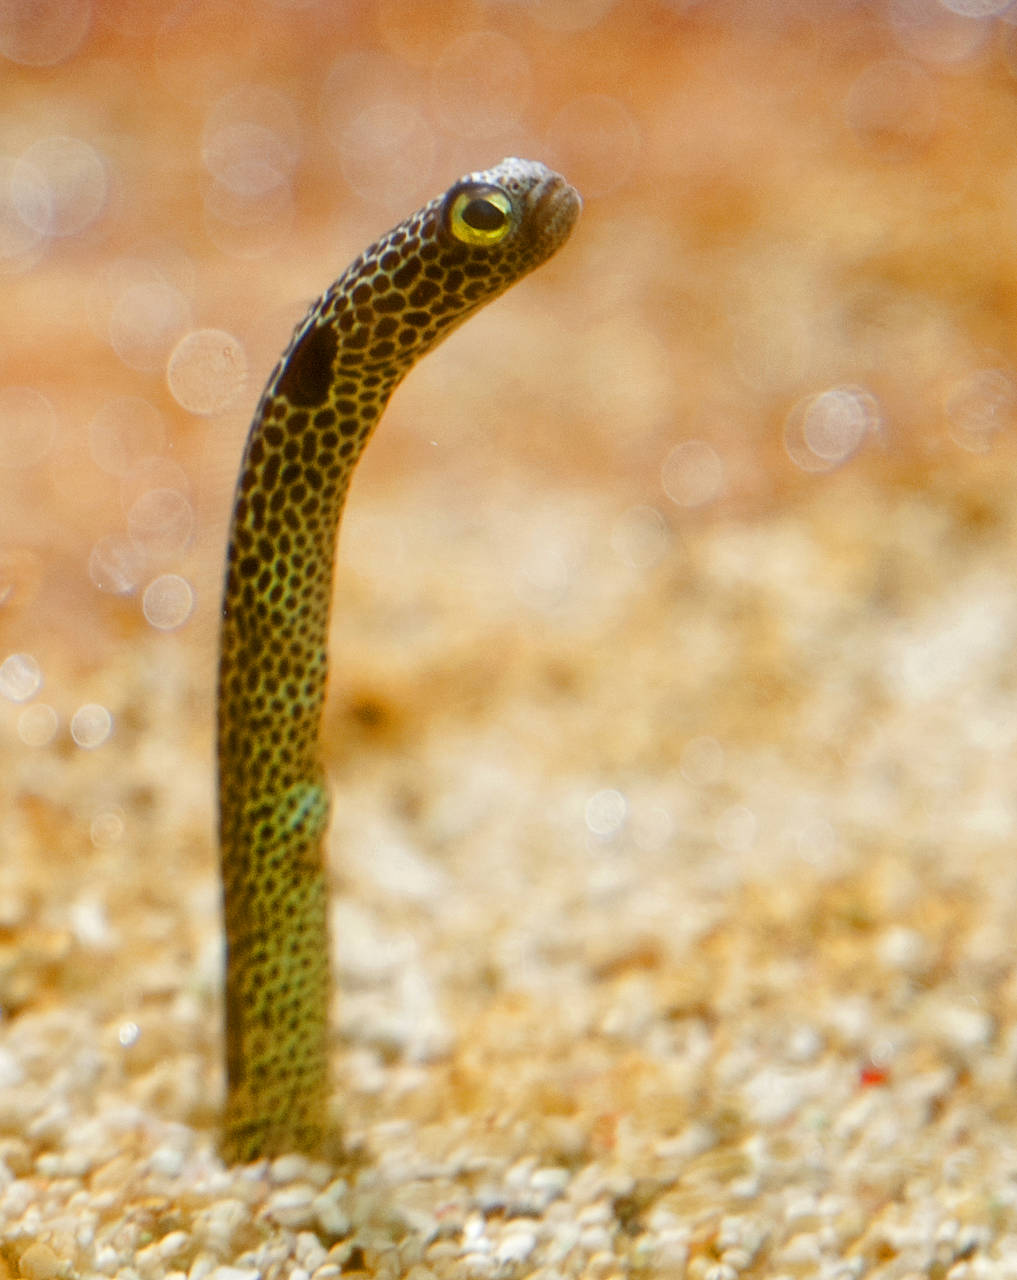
(479, 215)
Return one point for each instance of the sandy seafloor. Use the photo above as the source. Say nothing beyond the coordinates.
(673, 724)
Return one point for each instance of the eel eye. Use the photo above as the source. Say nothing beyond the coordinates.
(480, 215)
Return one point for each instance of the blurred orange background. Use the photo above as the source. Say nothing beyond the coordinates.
(782, 201)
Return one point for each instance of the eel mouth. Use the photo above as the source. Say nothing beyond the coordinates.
(558, 204)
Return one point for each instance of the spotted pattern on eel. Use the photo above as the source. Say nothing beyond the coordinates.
(399, 299)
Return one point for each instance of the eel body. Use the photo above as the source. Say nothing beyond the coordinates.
(397, 301)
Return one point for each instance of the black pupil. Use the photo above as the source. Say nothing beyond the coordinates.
(483, 215)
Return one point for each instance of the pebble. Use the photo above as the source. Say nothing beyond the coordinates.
(288, 1169)
(161, 1251)
(292, 1206)
(332, 1218)
(476, 1264)
(904, 949)
(167, 1160)
(667, 1251)
(310, 1252)
(515, 1246)
(965, 1027)
(550, 1178)
(40, 1262)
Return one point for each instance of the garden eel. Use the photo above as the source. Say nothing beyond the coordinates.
(399, 299)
